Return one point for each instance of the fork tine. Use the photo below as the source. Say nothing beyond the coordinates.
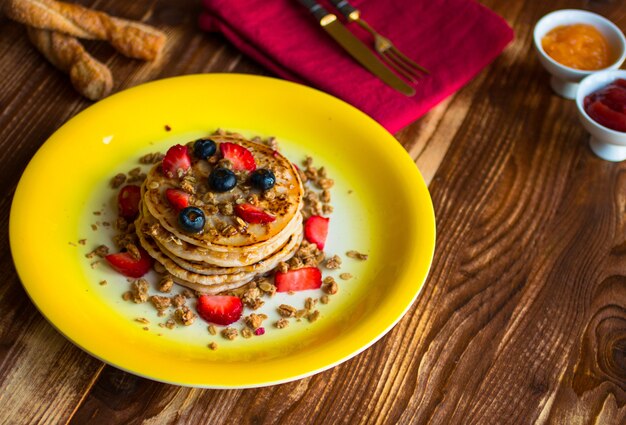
(408, 61)
(415, 74)
(388, 59)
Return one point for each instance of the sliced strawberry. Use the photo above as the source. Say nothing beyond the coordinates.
(252, 214)
(219, 309)
(176, 158)
(316, 230)
(178, 198)
(240, 157)
(128, 201)
(129, 266)
(298, 280)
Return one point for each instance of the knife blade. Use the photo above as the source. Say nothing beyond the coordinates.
(355, 47)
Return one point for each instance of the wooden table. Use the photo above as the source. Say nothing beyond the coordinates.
(523, 316)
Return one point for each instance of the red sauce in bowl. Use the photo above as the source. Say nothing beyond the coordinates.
(607, 106)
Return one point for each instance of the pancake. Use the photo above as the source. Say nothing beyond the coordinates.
(266, 264)
(186, 251)
(231, 275)
(283, 201)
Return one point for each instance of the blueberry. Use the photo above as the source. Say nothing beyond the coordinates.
(204, 148)
(191, 219)
(262, 179)
(222, 179)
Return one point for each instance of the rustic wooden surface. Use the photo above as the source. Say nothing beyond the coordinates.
(523, 316)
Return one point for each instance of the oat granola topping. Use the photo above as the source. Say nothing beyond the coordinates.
(213, 346)
(166, 283)
(229, 333)
(160, 303)
(356, 255)
(345, 276)
(281, 323)
(178, 300)
(185, 316)
(330, 286)
(313, 316)
(139, 291)
(246, 333)
(118, 180)
(333, 262)
(286, 310)
(254, 320)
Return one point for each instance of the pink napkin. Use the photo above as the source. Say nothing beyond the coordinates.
(454, 39)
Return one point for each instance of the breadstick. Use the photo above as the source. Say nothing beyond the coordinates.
(130, 38)
(89, 77)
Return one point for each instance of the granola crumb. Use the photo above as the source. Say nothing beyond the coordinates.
(139, 291)
(212, 330)
(118, 180)
(229, 333)
(213, 345)
(281, 323)
(357, 255)
(178, 300)
(313, 316)
(169, 324)
(160, 303)
(345, 276)
(330, 286)
(254, 320)
(246, 333)
(310, 303)
(333, 262)
(166, 283)
(142, 320)
(185, 316)
(286, 310)
(324, 299)
(100, 251)
(103, 282)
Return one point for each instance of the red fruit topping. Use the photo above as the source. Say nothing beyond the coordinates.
(219, 309)
(259, 331)
(316, 230)
(128, 201)
(240, 157)
(176, 158)
(252, 214)
(178, 198)
(126, 264)
(298, 280)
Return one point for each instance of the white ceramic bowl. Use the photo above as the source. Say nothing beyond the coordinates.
(606, 143)
(564, 79)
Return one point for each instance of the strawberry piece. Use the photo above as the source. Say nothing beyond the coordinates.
(316, 230)
(177, 158)
(126, 264)
(128, 201)
(219, 309)
(240, 157)
(177, 198)
(298, 280)
(252, 214)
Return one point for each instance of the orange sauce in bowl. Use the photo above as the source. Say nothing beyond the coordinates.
(578, 46)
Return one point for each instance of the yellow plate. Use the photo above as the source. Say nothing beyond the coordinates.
(382, 208)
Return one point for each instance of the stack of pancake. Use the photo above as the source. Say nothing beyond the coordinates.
(228, 252)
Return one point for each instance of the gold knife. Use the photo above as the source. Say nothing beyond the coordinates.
(357, 49)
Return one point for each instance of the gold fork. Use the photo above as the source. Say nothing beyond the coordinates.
(385, 48)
